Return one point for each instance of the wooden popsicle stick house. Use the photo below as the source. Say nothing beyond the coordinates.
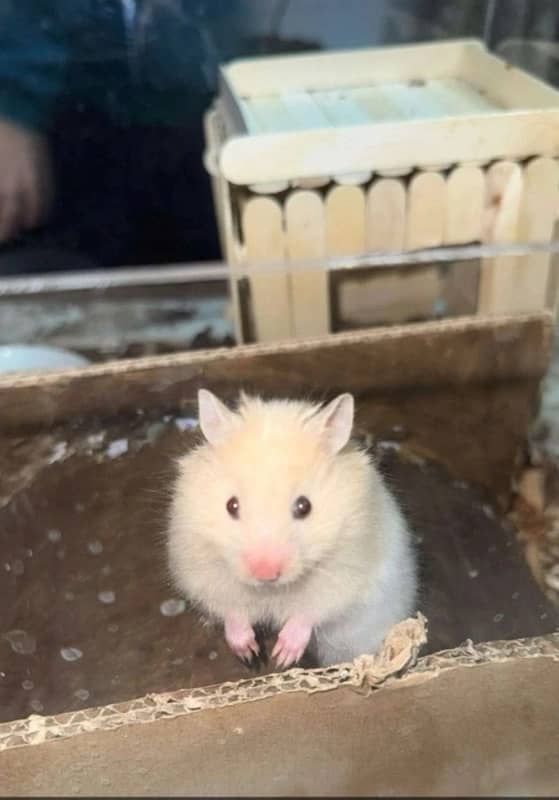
(385, 149)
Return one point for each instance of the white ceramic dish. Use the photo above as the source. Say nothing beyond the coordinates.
(23, 358)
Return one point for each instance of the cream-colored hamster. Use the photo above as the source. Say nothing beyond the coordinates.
(278, 518)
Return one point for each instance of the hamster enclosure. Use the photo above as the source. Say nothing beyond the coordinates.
(102, 666)
(109, 684)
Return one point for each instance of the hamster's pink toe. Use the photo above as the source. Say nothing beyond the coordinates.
(292, 642)
(241, 639)
(244, 648)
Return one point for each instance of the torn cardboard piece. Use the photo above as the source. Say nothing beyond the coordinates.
(456, 722)
(399, 652)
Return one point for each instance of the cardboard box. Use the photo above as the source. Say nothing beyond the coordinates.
(449, 404)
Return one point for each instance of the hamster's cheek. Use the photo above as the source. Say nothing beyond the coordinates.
(309, 546)
(224, 539)
(320, 538)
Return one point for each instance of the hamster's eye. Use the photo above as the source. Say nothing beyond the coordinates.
(232, 507)
(301, 507)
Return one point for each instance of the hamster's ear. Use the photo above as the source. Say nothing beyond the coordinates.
(216, 420)
(335, 422)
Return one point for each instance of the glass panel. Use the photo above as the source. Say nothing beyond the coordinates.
(379, 222)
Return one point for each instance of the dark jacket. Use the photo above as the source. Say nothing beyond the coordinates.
(148, 62)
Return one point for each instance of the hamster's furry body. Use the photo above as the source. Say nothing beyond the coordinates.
(278, 518)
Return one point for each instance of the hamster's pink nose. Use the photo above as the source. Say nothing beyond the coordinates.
(265, 567)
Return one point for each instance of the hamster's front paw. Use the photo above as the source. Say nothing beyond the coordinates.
(241, 638)
(292, 642)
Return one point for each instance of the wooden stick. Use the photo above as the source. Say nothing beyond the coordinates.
(345, 221)
(535, 225)
(499, 288)
(426, 211)
(264, 242)
(465, 198)
(386, 215)
(305, 239)
(224, 213)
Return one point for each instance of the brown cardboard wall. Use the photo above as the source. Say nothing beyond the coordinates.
(466, 391)
(474, 730)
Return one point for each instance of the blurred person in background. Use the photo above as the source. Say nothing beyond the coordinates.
(101, 126)
(102, 102)
(101, 139)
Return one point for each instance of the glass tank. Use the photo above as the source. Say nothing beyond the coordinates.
(301, 200)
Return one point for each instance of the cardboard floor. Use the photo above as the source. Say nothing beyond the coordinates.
(87, 614)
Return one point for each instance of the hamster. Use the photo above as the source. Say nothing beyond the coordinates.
(279, 518)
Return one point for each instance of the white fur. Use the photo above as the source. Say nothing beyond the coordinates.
(353, 569)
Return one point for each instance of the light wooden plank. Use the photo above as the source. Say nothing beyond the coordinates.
(315, 182)
(443, 103)
(362, 297)
(303, 110)
(499, 287)
(503, 192)
(397, 172)
(438, 166)
(426, 211)
(264, 243)
(539, 200)
(475, 68)
(377, 104)
(505, 84)
(269, 188)
(305, 240)
(345, 221)
(552, 299)
(267, 115)
(390, 146)
(213, 143)
(224, 212)
(252, 122)
(465, 199)
(413, 102)
(536, 224)
(339, 108)
(455, 97)
(316, 71)
(232, 252)
(353, 178)
(386, 215)
(346, 235)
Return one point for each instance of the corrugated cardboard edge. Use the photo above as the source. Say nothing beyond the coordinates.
(395, 665)
(458, 352)
(399, 651)
(498, 325)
